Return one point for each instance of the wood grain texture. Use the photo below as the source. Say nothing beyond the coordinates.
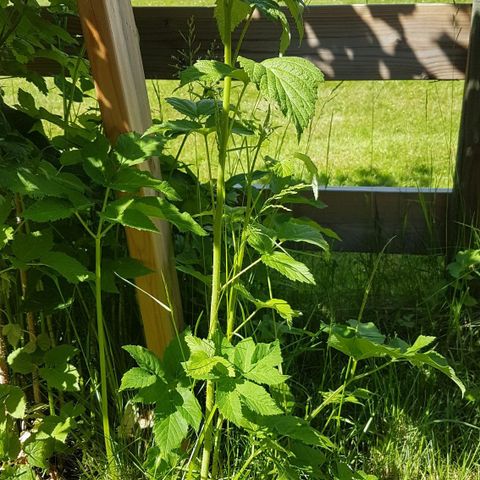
(409, 220)
(347, 42)
(113, 49)
(467, 177)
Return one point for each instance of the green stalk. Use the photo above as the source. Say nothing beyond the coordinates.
(101, 337)
(102, 355)
(217, 233)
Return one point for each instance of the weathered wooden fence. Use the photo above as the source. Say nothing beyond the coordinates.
(360, 42)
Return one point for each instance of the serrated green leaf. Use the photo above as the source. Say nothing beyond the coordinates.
(208, 71)
(202, 360)
(71, 157)
(169, 431)
(228, 402)
(194, 110)
(13, 401)
(137, 378)
(21, 361)
(38, 452)
(70, 268)
(158, 392)
(363, 341)
(131, 179)
(290, 82)
(123, 211)
(175, 128)
(43, 341)
(63, 378)
(30, 246)
(438, 362)
(282, 307)
(238, 13)
(243, 354)
(298, 429)
(6, 235)
(257, 399)
(13, 332)
(190, 408)
(296, 8)
(265, 375)
(260, 238)
(146, 359)
(421, 342)
(271, 10)
(160, 208)
(289, 267)
(49, 210)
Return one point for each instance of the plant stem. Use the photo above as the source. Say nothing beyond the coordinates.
(102, 356)
(223, 136)
(216, 447)
(102, 343)
(30, 317)
(4, 376)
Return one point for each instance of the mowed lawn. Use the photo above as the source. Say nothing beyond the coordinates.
(394, 133)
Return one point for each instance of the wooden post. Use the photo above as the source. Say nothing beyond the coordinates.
(467, 174)
(112, 44)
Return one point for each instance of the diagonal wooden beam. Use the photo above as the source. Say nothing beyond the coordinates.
(111, 39)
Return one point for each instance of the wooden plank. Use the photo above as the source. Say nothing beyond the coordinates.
(112, 43)
(347, 42)
(410, 220)
(467, 177)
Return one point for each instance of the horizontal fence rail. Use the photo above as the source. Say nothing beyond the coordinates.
(359, 42)
(369, 219)
(347, 42)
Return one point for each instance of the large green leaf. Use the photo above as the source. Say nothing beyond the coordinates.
(146, 359)
(297, 230)
(271, 10)
(290, 82)
(29, 246)
(203, 360)
(295, 428)
(257, 399)
(137, 378)
(49, 210)
(194, 110)
(363, 340)
(64, 378)
(296, 8)
(169, 430)
(289, 267)
(130, 179)
(13, 401)
(190, 408)
(209, 71)
(136, 148)
(159, 208)
(124, 212)
(228, 402)
(282, 307)
(67, 266)
(238, 13)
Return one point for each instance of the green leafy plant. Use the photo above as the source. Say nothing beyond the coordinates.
(247, 206)
(219, 403)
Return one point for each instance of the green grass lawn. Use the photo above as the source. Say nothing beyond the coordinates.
(393, 133)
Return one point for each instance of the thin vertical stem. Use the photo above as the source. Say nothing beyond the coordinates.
(223, 136)
(102, 356)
